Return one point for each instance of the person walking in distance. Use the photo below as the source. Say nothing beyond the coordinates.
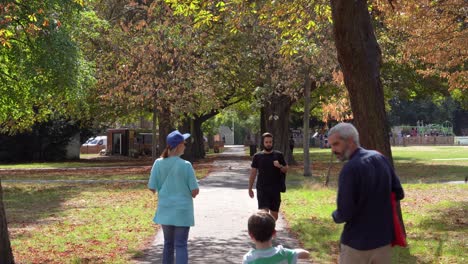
(364, 204)
(174, 180)
(266, 167)
(291, 144)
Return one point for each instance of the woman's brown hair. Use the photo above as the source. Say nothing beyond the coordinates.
(165, 152)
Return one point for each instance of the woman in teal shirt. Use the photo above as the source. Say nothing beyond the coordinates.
(174, 180)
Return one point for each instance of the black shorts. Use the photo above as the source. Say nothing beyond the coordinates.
(269, 199)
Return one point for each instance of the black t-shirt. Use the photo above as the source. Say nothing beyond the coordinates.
(268, 175)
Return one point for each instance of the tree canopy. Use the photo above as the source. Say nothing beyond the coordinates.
(433, 36)
(42, 69)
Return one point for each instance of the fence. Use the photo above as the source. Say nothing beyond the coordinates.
(422, 141)
(461, 141)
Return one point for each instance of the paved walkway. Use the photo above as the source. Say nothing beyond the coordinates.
(221, 212)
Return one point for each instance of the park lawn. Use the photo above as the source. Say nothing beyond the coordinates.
(435, 213)
(409, 154)
(56, 223)
(415, 164)
(89, 176)
(429, 153)
(101, 176)
(431, 164)
(139, 173)
(436, 218)
(81, 223)
(66, 164)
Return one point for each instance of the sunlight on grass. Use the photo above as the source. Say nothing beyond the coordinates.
(435, 217)
(308, 213)
(112, 223)
(414, 164)
(428, 153)
(59, 165)
(81, 223)
(106, 223)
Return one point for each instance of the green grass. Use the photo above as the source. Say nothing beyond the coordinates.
(78, 224)
(81, 176)
(308, 212)
(81, 223)
(412, 164)
(435, 213)
(435, 217)
(59, 165)
(65, 214)
(428, 153)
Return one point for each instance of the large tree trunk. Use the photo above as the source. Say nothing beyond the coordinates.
(198, 147)
(6, 255)
(275, 116)
(188, 127)
(360, 58)
(154, 129)
(198, 144)
(165, 127)
(306, 137)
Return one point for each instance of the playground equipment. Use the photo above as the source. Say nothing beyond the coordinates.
(444, 129)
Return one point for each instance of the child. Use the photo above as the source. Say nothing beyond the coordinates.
(261, 228)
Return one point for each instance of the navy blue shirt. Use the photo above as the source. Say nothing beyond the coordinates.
(364, 200)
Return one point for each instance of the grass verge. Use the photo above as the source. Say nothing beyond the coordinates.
(436, 219)
(435, 213)
(78, 224)
(81, 223)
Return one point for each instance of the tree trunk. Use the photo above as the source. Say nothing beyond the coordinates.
(154, 141)
(198, 147)
(186, 127)
(263, 124)
(360, 58)
(165, 127)
(6, 254)
(306, 136)
(275, 116)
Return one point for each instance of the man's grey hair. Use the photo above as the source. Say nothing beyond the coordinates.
(345, 131)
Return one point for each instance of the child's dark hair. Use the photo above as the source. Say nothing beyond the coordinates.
(261, 226)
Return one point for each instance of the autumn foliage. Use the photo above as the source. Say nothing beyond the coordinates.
(433, 34)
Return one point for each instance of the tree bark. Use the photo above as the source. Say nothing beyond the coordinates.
(187, 127)
(360, 58)
(306, 136)
(197, 150)
(165, 127)
(275, 118)
(154, 141)
(6, 254)
(198, 147)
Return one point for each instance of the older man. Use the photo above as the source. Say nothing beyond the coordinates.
(364, 199)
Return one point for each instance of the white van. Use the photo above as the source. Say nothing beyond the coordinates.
(94, 145)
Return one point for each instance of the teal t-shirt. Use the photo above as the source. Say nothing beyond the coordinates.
(174, 179)
(273, 255)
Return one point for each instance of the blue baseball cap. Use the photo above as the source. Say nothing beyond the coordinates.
(175, 138)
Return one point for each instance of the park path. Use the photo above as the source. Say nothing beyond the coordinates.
(221, 212)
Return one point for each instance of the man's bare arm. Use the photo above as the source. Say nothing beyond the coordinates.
(253, 175)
